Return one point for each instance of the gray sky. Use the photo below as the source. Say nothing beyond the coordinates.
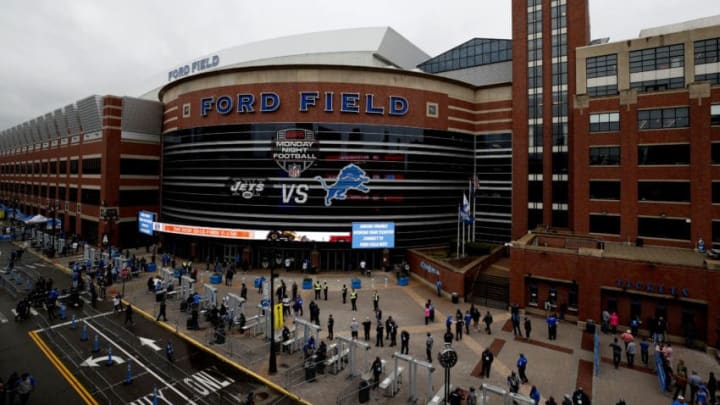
(56, 52)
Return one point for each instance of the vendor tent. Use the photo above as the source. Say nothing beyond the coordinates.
(37, 219)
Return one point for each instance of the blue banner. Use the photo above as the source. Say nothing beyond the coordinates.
(145, 222)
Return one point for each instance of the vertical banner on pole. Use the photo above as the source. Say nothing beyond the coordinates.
(279, 321)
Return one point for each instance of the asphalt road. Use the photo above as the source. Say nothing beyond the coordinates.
(117, 363)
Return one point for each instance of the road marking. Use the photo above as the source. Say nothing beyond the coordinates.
(79, 388)
(59, 325)
(137, 361)
(32, 266)
(149, 342)
(3, 318)
(33, 311)
(93, 362)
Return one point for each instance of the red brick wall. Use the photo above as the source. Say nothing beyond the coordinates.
(594, 273)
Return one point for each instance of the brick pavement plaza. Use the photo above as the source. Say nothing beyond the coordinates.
(555, 367)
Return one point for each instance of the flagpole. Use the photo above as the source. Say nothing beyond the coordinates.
(470, 226)
(463, 238)
(458, 232)
(475, 187)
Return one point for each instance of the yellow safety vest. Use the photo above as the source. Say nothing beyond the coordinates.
(353, 295)
(317, 286)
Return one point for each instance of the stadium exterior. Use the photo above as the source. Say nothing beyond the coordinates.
(595, 161)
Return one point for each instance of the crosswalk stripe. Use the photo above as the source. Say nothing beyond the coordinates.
(32, 266)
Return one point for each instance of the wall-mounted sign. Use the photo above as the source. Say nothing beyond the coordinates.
(246, 188)
(429, 268)
(372, 235)
(146, 220)
(350, 177)
(295, 150)
(268, 102)
(194, 67)
(652, 288)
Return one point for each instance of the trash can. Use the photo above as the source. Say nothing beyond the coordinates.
(216, 278)
(307, 284)
(455, 298)
(590, 326)
(356, 283)
(364, 392)
(150, 267)
(402, 281)
(310, 369)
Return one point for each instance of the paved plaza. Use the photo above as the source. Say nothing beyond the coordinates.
(556, 367)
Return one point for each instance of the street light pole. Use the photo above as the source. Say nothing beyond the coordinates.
(272, 366)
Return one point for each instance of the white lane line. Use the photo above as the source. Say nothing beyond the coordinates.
(136, 361)
(58, 325)
(3, 318)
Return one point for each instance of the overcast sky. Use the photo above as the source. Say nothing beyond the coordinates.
(56, 52)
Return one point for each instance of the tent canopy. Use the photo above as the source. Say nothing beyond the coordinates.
(37, 219)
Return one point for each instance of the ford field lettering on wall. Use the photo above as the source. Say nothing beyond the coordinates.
(351, 177)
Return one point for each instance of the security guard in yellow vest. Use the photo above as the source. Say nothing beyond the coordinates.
(353, 299)
(318, 288)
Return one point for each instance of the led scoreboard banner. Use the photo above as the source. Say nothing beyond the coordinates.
(373, 235)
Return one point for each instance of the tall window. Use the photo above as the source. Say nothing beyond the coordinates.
(715, 114)
(645, 65)
(707, 51)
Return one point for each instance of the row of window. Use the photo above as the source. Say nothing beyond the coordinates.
(675, 154)
(678, 117)
(653, 59)
(87, 196)
(128, 166)
(671, 191)
(649, 227)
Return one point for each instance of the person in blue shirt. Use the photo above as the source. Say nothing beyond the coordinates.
(522, 365)
(535, 394)
(468, 319)
(644, 346)
(448, 322)
(552, 326)
(438, 286)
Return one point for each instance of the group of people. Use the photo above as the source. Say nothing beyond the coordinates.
(18, 386)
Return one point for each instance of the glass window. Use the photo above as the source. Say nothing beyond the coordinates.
(139, 197)
(674, 191)
(715, 153)
(63, 167)
(715, 114)
(660, 58)
(605, 156)
(604, 190)
(666, 228)
(664, 118)
(608, 224)
(716, 193)
(90, 196)
(74, 166)
(605, 122)
(91, 166)
(675, 154)
(147, 167)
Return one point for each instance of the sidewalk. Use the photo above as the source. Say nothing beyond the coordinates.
(555, 367)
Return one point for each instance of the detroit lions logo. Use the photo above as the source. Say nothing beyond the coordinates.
(351, 177)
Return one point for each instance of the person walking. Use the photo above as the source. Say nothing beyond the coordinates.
(614, 322)
(243, 292)
(528, 328)
(379, 336)
(427, 313)
(163, 307)
(617, 352)
(515, 319)
(344, 293)
(376, 301)
(428, 347)
(24, 388)
(170, 352)
(354, 326)
(129, 315)
(487, 358)
(438, 287)
(353, 299)
(552, 327)
(535, 394)
(522, 366)
(467, 319)
(488, 320)
(404, 342)
(330, 325)
(366, 328)
(376, 370)
(325, 290)
(459, 328)
(513, 382)
(712, 386)
(644, 349)
(630, 353)
(681, 379)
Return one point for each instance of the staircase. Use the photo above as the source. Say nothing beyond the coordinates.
(492, 286)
